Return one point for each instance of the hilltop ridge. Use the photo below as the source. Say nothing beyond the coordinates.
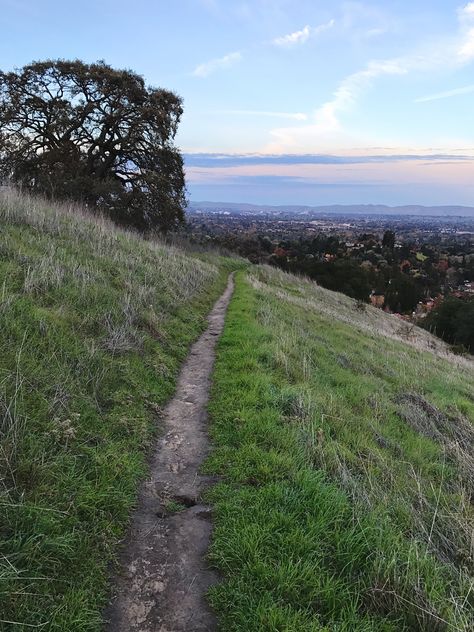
(95, 323)
(338, 209)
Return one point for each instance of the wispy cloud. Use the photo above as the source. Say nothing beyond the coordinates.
(466, 18)
(326, 119)
(295, 116)
(455, 52)
(303, 35)
(350, 88)
(446, 94)
(220, 63)
(297, 37)
(219, 161)
(288, 179)
(362, 20)
(375, 32)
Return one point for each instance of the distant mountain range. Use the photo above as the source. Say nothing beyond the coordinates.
(337, 209)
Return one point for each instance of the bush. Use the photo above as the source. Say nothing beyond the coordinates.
(453, 321)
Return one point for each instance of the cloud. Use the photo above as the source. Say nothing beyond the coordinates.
(446, 95)
(466, 19)
(211, 160)
(295, 116)
(300, 37)
(467, 12)
(423, 178)
(375, 32)
(326, 124)
(466, 51)
(326, 118)
(209, 67)
(350, 88)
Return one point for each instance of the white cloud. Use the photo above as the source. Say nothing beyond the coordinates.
(207, 68)
(375, 32)
(466, 48)
(300, 37)
(446, 94)
(351, 87)
(454, 52)
(467, 11)
(361, 20)
(326, 117)
(326, 122)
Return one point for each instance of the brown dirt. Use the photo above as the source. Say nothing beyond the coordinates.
(164, 576)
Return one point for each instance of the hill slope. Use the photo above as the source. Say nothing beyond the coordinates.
(343, 436)
(345, 443)
(94, 323)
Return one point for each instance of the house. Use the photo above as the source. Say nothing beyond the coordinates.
(377, 299)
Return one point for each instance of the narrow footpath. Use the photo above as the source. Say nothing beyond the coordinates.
(164, 576)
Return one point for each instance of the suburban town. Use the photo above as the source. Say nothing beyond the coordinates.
(406, 265)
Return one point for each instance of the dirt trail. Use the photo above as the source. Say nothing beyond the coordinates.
(164, 577)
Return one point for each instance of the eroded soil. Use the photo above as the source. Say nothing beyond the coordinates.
(164, 576)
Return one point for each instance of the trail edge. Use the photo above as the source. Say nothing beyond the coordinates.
(164, 577)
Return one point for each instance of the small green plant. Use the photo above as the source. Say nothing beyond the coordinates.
(173, 506)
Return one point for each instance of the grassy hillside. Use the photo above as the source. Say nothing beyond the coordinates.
(94, 323)
(345, 441)
(343, 436)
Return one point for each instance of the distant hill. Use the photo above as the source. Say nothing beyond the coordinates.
(338, 209)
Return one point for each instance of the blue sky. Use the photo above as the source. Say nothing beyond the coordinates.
(336, 102)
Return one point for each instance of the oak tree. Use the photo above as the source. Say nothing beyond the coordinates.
(92, 133)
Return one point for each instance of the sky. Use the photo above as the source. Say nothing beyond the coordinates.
(307, 102)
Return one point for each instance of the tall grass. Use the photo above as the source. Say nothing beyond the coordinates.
(345, 451)
(94, 322)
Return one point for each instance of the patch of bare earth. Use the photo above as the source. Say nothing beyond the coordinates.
(164, 576)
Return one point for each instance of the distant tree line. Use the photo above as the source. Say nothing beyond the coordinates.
(404, 271)
(324, 259)
(453, 320)
(88, 132)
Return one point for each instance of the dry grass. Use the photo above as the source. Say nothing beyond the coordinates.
(371, 321)
(75, 229)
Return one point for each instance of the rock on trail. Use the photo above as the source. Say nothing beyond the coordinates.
(164, 576)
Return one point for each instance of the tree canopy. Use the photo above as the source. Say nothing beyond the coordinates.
(91, 133)
(453, 320)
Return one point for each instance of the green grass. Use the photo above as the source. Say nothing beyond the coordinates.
(173, 506)
(94, 323)
(343, 436)
(345, 446)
